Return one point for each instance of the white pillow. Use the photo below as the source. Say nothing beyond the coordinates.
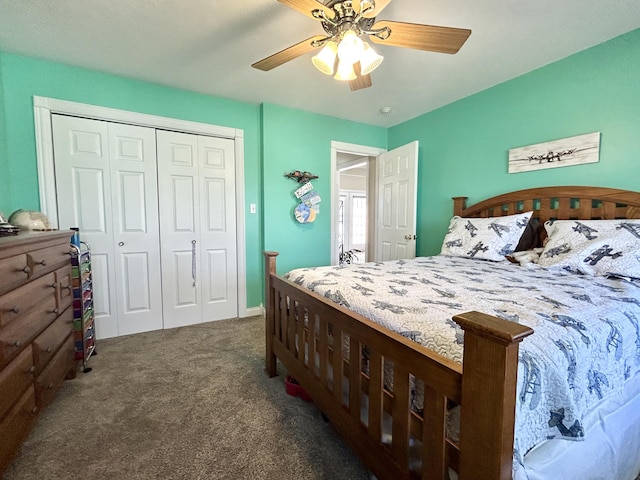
(593, 247)
(487, 238)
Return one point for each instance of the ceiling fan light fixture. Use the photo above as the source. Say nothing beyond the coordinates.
(345, 71)
(326, 58)
(350, 48)
(369, 60)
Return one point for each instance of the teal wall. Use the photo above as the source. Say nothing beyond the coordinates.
(297, 140)
(464, 146)
(4, 170)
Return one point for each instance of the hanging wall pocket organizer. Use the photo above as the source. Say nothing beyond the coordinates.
(309, 199)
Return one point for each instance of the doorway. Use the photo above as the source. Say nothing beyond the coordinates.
(353, 200)
(353, 221)
(391, 197)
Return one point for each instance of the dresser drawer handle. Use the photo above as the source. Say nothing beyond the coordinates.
(50, 386)
(32, 369)
(15, 310)
(26, 269)
(49, 349)
(54, 285)
(34, 410)
(42, 262)
(16, 343)
(54, 311)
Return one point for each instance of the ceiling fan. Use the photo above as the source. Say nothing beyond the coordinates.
(347, 22)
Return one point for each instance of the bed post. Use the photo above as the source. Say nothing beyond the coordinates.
(270, 306)
(459, 204)
(489, 380)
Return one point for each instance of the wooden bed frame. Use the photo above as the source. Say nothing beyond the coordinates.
(484, 385)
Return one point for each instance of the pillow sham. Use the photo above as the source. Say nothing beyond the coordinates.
(486, 238)
(593, 247)
(530, 238)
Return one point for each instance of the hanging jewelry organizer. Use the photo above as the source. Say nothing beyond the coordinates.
(308, 198)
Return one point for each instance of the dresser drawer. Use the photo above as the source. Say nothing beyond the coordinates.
(14, 271)
(15, 305)
(16, 426)
(48, 342)
(65, 289)
(17, 334)
(15, 379)
(49, 380)
(48, 259)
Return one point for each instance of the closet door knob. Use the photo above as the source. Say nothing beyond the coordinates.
(121, 244)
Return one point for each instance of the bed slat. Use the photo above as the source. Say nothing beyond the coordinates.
(434, 435)
(338, 373)
(375, 395)
(323, 349)
(355, 387)
(584, 209)
(401, 425)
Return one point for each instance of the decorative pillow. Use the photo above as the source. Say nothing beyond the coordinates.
(530, 238)
(593, 247)
(487, 238)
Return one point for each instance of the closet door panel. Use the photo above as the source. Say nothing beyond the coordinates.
(218, 273)
(132, 156)
(183, 280)
(88, 189)
(102, 307)
(83, 188)
(183, 204)
(179, 191)
(136, 289)
(218, 220)
(106, 185)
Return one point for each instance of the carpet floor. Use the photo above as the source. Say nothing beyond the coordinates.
(185, 403)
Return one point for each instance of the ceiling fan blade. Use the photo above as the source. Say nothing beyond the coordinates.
(283, 56)
(379, 6)
(422, 37)
(307, 6)
(361, 81)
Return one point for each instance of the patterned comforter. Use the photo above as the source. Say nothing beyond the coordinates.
(587, 329)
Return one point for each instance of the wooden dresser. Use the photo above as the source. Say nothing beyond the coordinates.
(36, 324)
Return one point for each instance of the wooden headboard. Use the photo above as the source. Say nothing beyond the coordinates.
(557, 203)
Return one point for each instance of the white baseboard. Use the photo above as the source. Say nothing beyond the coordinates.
(253, 311)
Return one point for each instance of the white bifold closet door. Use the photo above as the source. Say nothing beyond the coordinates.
(196, 183)
(106, 185)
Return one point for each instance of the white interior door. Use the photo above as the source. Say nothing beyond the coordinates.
(218, 228)
(397, 174)
(198, 228)
(136, 232)
(106, 186)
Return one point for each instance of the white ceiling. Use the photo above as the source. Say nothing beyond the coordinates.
(208, 46)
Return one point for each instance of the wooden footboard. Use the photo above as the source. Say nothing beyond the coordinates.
(322, 345)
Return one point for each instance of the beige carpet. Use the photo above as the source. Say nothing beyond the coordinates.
(186, 403)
